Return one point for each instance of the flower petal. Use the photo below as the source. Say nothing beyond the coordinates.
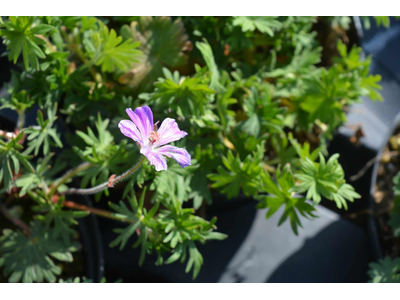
(169, 132)
(143, 119)
(156, 159)
(129, 129)
(179, 154)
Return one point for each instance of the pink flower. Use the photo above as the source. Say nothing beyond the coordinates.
(151, 141)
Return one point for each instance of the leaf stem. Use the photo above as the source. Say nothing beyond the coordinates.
(73, 44)
(69, 174)
(113, 180)
(25, 228)
(99, 212)
(21, 120)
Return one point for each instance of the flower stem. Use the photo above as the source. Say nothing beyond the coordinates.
(73, 43)
(25, 228)
(21, 120)
(99, 212)
(110, 183)
(69, 175)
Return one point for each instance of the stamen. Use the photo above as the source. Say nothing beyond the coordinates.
(154, 137)
(155, 127)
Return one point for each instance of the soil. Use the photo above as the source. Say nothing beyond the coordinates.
(389, 167)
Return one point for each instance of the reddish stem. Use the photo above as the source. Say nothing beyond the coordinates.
(25, 228)
(99, 212)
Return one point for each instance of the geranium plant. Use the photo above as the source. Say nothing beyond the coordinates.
(254, 103)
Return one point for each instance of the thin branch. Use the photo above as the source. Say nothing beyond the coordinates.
(369, 164)
(99, 212)
(113, 180)
(367, 211)
(21, 120)
(25, 228)
(69, 175)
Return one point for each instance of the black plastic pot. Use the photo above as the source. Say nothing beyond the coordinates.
(328, 249)
(378, 121)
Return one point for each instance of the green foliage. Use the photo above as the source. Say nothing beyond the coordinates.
(324, 179)
(19, 102)
(172, 230)
(239, 175)
(182, 228)
(29, 259)
(21, 34)
(380, 21)
(253, 94)
(187, 97)
(101, 151)
(263, 24)
(141, 221)
(114, 54)
(39, 136)
(351, 61)
(303, 151)
(57, 221)
(264, 115)
(208, 56)
(385, 271)
(174, 183)
(280, 194)
(10, 159)
(162, 43)
(30, 181)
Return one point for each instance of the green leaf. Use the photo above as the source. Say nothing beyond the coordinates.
(264, 114)
(10, 159)
(239, 175)
(181, 229)
(39, 136)
(174, 183)
(352, 61)
(59, 220)
(370, 83)
(187, 97)
(108, 158)
(195, 260)
(324, 179)
(396, 184)
(303, 151)
(208, 56)
(263, 24)
(28, 259)
(19, 101)
(162, 43)
(113, 54)
(20, 36)
(385, 271)
(279, 194)
(139, 218)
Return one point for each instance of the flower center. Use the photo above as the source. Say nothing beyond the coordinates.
(154, 137)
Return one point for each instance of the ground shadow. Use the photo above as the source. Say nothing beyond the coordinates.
(338, 253)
